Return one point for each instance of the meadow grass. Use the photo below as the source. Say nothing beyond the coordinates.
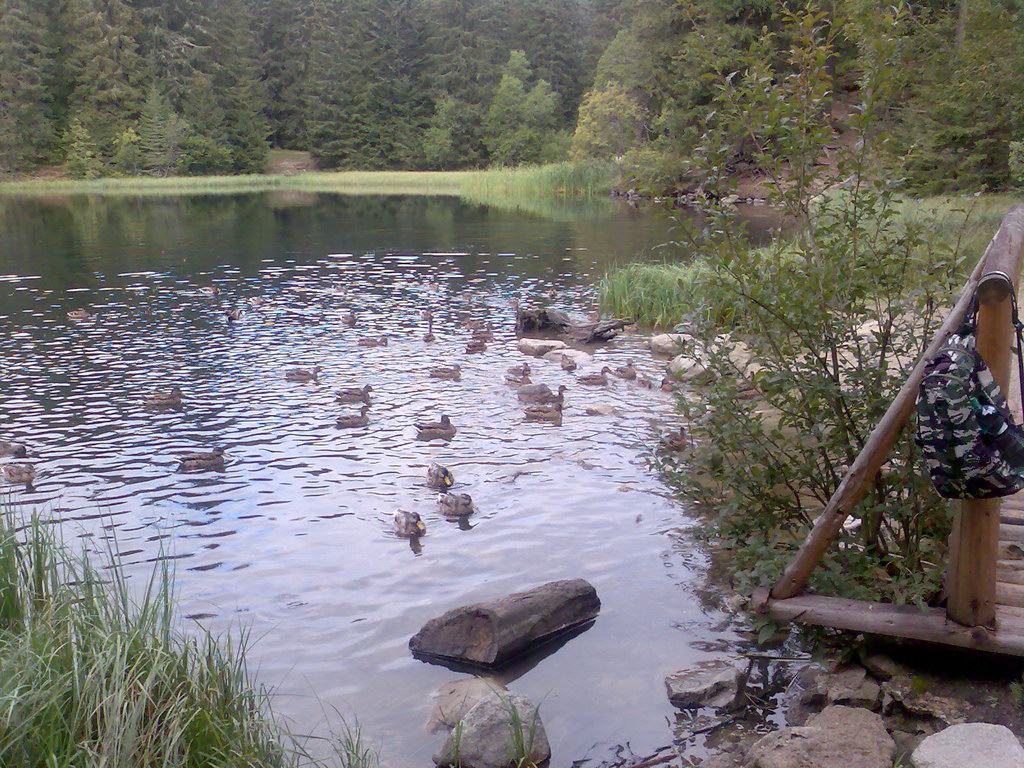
(654, 295)
(559, 179)
(96, 673)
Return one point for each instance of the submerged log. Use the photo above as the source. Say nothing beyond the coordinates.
(493, 632)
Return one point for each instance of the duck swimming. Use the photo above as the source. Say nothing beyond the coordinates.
(234, 315)
(541, 394)
(674, 442)
(429, 335)
(19, 473)
(156, 399)
(351, 421)
(349, 319)
(455, 504)
(353, 394)
(520, 370)
(595, 379)
(439, 477)
(627, 372)
(371, 342)
(408, 524)
(476, 345)
(14, 450)
(568, 364)
(302, 374)
(197, 462)
(436, 430)
(78, 314)
(552, 414)
(450, 373)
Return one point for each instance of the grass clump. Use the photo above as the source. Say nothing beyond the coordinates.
(655, 295)
(95, 672)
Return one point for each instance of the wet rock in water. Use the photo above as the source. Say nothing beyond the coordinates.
(493, 632)
(453, 700)
(601, 409)
(540, 347)
(541, 320)
(838, 736)
(668, 344)
(485, 738)
(686, 368)
(708, 684)
(576, 355)
(970, 744)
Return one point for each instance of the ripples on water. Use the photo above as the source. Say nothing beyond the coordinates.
(295, 533)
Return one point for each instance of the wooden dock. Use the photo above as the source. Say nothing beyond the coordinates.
(985, 575)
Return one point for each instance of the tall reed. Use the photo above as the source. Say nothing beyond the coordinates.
(95, 672)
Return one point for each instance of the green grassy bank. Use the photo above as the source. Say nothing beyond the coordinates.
(96, 673)
(662, 294)
(559, 179)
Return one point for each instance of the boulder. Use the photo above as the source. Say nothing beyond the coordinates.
(970, 744)
(668, 344)
(540, 347)
(900, 693)
(837, 736)
(709, 684)
(687, 368)
(453, 700)
(601, 409)
(493, 632)
(850, 686)
(577, 356)
(485, 737)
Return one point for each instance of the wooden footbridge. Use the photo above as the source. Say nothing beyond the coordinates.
(985, 574)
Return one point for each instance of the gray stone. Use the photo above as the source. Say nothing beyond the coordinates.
(850, 686)
(970, 744)
(578, 356)
(668, 344)
(453, 700)
(540, 347)
(882, 667)
(601, 409)
(709, 684)
(686, 368)
(900, 693)
(492, 632)
(837, 736)
(484, 739)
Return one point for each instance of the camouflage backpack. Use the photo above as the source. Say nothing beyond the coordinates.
(971, 445)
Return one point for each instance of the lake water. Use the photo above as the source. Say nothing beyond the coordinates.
(294, 538)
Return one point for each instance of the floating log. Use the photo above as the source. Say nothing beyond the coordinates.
(591, 333)
(493, 632)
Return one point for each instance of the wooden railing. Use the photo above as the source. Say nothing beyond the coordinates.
(974, 542)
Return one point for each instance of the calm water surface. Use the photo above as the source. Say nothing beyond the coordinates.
(293, 539)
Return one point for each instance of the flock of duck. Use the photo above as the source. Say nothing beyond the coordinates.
(539, 404)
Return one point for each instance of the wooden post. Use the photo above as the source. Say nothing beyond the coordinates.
(1002, 254)
(974, 540)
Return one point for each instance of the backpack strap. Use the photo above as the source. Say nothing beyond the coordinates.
(1018, 327)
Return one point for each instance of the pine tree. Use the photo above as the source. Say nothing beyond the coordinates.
(161, 134)
(27, 132)
(103, 68)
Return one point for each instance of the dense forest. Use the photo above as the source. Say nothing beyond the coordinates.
(162, 87)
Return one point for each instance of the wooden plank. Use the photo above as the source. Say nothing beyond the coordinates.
(1010, 594)
(930, 624)
(861, 473)
(974, 540)
(1010, 516)
(1009, 615)
(1007, 576)
(1010, 532)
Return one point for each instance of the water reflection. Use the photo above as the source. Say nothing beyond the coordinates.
(295, 532)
